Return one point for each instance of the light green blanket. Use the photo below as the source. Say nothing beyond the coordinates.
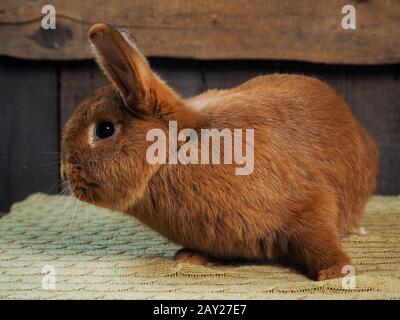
(55, 248)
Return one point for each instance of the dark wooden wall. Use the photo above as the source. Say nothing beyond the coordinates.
(36, 98)
(28, 129)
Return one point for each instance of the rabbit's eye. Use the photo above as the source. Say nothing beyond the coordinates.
(105, 130)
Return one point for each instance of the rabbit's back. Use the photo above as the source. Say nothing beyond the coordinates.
(303, 128)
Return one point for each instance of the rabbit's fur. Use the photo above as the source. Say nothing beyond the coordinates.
(315, 166)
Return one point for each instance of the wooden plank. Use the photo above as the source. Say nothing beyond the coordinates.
(308, 30)
(28, 130)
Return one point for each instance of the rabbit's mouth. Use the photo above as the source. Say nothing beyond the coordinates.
(85, 191)
(79, 183)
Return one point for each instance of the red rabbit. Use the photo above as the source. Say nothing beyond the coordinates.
(315, 166)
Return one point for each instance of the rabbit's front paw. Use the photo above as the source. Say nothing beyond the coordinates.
(190, 256)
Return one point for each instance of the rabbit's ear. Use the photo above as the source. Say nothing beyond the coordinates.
(124, 65)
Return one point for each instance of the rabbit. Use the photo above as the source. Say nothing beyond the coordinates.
(315, 166)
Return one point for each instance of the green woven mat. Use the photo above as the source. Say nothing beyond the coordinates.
(93, 253)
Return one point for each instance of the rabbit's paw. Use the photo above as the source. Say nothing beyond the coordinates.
(332, 272)
(190, 256)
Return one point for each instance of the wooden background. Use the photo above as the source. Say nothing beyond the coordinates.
(194, 46)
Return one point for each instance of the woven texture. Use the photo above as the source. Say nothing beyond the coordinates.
(99, 254)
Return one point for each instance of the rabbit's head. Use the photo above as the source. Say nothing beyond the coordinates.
(104, 145)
